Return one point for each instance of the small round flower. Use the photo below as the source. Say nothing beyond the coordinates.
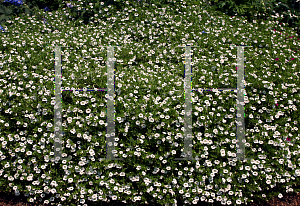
(69, 5)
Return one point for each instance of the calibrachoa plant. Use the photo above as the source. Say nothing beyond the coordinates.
(149, 105)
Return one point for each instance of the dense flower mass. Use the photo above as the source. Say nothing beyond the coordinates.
(150, 101)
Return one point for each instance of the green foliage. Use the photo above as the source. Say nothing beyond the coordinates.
(260, 9)
(251, 10)
(9, 11)
(51, 4)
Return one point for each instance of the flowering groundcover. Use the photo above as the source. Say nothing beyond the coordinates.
(149, 104)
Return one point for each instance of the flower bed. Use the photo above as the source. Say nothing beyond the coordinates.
(149, 105)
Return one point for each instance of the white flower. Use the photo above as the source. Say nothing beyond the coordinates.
(69, 119)
(92, 153)
(29, 178)
(53, 184)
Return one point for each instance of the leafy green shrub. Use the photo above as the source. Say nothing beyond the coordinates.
(260, 9)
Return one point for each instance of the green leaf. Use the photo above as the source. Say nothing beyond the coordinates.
(83, 13)
(28, 11)
(286, 6)
(223, 4)
(3, 17)
(5, 10)
(2, 8)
